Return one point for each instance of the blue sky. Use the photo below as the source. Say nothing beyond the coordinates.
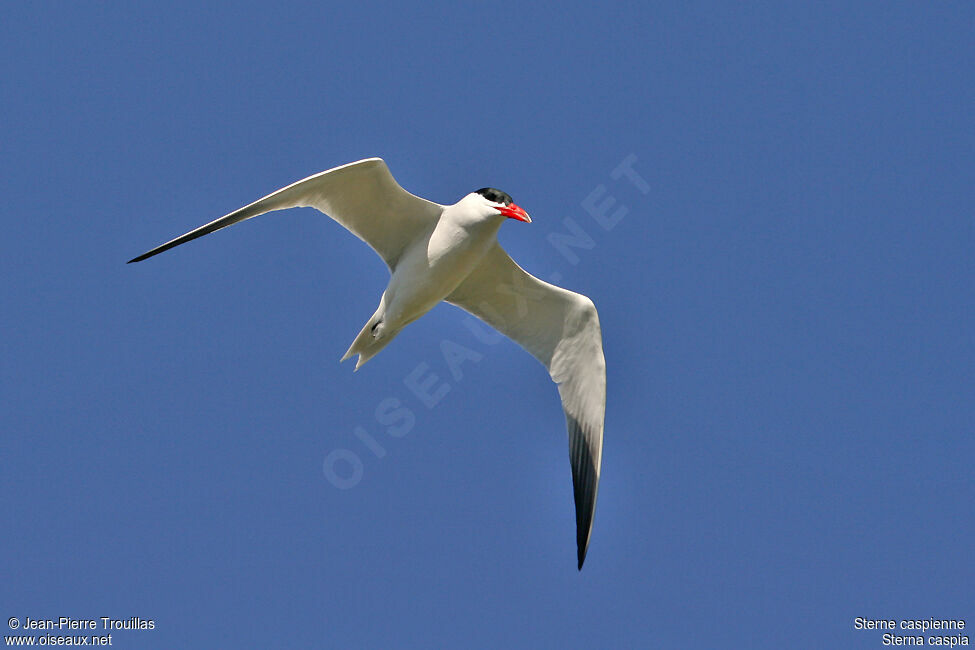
(787, 315)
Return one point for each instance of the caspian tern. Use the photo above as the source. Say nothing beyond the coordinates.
(450, 253)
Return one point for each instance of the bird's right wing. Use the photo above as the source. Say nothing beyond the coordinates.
(362, 196)
(561, 329)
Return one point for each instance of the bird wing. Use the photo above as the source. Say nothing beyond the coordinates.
(561, 329)
(362, 196)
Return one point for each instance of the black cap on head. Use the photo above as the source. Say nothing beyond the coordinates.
(492, 194)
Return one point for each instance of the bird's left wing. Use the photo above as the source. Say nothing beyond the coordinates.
(560, 328)
(362, 196)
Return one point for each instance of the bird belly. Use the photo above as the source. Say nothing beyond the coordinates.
(432, 270)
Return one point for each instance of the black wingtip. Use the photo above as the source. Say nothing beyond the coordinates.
(142, 257)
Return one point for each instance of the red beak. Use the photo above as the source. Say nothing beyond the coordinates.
(512, 211)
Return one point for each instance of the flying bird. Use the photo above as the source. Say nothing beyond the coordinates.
(450, 253)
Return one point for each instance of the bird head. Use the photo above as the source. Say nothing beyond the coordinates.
(497, 202)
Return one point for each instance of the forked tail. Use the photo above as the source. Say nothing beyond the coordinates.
(373, 338)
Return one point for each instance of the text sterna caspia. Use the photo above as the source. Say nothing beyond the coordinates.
(450, 253)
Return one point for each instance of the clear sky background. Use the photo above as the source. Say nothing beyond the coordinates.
(787, 312)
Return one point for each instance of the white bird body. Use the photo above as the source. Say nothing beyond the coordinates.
(429, 270)
(450, 253)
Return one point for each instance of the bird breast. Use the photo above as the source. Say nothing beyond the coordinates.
(434, 266)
